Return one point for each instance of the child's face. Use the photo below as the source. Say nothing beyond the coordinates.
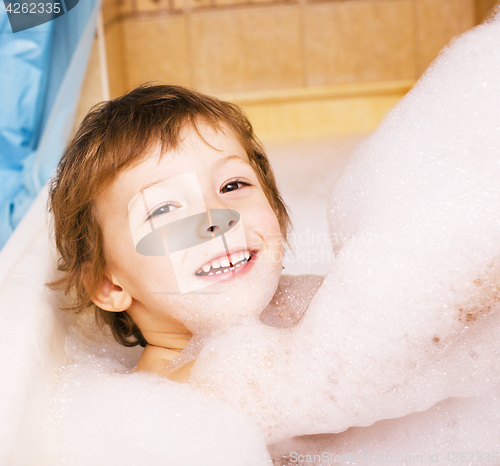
(174, 290)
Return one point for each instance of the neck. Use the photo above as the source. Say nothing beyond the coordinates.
(172, 341)
(159, 330)
(158, 356)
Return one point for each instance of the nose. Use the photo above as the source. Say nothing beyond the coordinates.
(188, 232)
(217, 222)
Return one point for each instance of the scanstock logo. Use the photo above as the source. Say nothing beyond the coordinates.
(25, 15)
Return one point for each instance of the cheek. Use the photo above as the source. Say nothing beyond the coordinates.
(262, 225)
(139, 274)
(154, 275)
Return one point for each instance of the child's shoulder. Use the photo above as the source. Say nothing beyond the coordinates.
(291, 300)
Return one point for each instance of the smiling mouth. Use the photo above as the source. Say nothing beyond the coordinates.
(223, 265)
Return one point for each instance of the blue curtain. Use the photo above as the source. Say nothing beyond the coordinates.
(41, 72)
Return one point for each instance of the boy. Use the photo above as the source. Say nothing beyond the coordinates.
(169, 222)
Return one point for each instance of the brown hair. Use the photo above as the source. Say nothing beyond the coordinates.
(115, 135)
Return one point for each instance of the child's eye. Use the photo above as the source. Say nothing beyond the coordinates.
(163, 209)
(233, 185)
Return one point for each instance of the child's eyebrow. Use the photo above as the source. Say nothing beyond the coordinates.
(217, 165)
(225, 160)
(144, 188)
(149, 185)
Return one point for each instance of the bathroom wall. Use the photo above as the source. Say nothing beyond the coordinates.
(299, 67)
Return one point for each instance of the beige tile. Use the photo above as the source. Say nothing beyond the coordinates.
(438, 21)
(230, 2)
(197, 4)
(159, 5)
(289, 2)
(214, 4)
(285, 121)
(355, 41)
(483, 8)
(179, 5)
(247, 49)
(114, 9)
(109, 10)
(92, 92)
(114, 59)
(125, 7)
(155, 49)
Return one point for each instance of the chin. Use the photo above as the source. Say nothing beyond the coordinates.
(230, 298)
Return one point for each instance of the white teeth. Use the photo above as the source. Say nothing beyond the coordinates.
(215, 264)
(236, 261)
(236, 257)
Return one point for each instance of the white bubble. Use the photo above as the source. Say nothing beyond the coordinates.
(103, 414)
(404, 324)
(409, 312)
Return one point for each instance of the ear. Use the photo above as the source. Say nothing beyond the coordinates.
(111, 297)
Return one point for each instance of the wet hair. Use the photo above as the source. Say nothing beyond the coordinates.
(116, 135)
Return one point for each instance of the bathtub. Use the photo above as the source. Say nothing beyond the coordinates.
(33, 342)
(35, 329)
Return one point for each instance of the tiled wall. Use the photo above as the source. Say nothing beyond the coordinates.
(252, 45)
(299, 68)
(484, 7)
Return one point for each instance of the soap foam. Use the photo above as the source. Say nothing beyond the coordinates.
(101, 413)
(410, 317)
(407, 316)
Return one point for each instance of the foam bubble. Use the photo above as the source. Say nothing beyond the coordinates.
(103, 414)
(408, 318)
(454, 430)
